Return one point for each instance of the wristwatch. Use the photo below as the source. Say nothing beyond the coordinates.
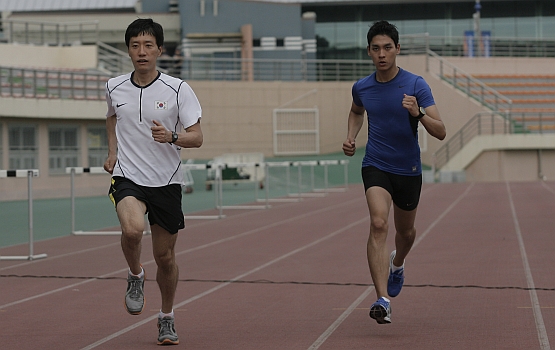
(175, 136)
(422, 113)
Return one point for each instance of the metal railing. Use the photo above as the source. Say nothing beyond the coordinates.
(112, 60)
(48, 33)
(455, 46)
(274, 69)
(497, 47)
(50, 83)
(493, 123)
(469, 85)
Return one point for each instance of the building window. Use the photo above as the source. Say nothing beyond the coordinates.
(23, 149)
(63, 147)
(97, 143)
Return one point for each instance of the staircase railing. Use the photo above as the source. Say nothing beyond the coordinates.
(493, 123)
(112, 60)
(469, 85)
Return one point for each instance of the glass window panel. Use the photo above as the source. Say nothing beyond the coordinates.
(64, 148)
(30, 163)
(22, 147)
(97, 142)
(504, 28)
(70, 138)
(325, 30)
(413, 27)
(55, 138)
(14, 163)
(548, 27)
(97, 138)
(437, 27)
(29, 137)
(346, 35)
(526, 27)
(14, 136)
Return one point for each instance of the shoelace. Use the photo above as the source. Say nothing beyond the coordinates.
(165, 327)
(397, 275)
(135, 289)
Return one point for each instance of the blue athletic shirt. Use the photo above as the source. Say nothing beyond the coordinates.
(392, 132)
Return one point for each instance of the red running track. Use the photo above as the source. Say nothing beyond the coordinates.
(295, 276)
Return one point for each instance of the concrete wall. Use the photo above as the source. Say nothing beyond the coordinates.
(504, 65)
(68, 57)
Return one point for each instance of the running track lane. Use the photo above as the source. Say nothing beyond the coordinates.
(482, 235)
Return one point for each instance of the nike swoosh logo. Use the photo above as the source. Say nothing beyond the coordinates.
(120, 104)
(400, 86)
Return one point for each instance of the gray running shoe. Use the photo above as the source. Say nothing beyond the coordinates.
(135, 297)
(166, 331)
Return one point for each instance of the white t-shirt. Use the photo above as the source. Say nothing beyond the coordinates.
(168, 100)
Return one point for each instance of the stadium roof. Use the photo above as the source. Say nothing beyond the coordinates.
(64, 5)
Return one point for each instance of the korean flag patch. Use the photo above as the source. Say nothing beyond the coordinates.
(160, 105)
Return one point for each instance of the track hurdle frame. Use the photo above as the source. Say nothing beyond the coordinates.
(326, 163)
(217, 190)
(91, 170)
(287, 166)
(29, 173)
(238, 165)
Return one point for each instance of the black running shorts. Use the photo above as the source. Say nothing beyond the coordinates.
(163, 204)
(404, 190)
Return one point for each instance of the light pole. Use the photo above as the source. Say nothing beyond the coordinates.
(477, 32)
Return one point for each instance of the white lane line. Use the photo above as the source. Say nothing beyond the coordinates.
(361, 298)
(59, 289)
(540, 325)
(243, 234)
(222, 285)
(340, 319)
(50, 258)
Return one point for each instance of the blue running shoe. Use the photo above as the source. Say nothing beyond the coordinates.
(396, 279)
(381, 311)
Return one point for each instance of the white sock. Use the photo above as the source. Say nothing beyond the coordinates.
(384, 298)
(162, 315)
(397, 268)
(140, 275)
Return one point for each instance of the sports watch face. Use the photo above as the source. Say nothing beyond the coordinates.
(422, 111)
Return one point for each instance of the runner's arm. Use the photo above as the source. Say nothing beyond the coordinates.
(112, 144)
(356, 119)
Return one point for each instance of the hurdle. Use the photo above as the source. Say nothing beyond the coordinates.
(29, 173)
(287, 166)
(326, 163)
(256, 169)
(217, 190)
(91, 170)
(318, 192)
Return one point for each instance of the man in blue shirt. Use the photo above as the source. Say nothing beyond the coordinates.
(395, 101)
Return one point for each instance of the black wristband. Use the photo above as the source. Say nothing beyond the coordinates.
(421, 114)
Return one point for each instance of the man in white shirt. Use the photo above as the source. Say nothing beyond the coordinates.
(147, 112)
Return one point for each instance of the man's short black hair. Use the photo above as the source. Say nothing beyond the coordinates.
(145, 26)
(383, 28)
